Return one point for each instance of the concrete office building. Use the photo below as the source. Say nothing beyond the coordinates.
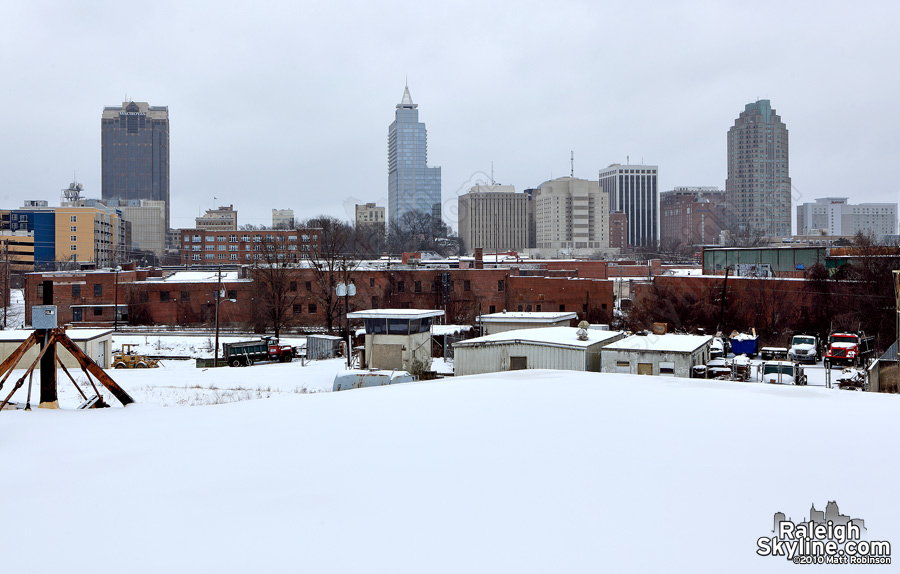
(413, 186)
(758, 187)
(834, 216)
(494, 218)
(632, 189)
(691, 215)
(222, 219)
(134, 141)
(570, 214)
(283, 219)
(370, 216)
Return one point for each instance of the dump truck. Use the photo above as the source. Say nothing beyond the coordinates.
(851, 349)
(247, 353)
(126, 358)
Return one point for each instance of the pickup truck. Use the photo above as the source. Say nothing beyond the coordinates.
(783, 373)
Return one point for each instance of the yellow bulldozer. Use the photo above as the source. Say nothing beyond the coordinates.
(126, 358)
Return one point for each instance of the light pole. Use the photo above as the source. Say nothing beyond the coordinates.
(218, 297)
(347, 290)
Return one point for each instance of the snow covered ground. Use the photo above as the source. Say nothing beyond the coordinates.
(535, 471)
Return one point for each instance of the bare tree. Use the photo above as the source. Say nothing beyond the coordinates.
(331, 262)
(274, 282)
(420, 231)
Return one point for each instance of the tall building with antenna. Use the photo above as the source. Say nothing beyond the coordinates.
(134, 141)
(758, 188)
(413, 186)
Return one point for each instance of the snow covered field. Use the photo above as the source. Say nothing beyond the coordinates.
(519, 472)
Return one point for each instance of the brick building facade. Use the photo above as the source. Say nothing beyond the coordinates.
(205, 247)
(152, 296)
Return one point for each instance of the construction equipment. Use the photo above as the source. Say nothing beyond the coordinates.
(126, 358)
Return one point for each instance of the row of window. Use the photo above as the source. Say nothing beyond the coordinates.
(248, 239)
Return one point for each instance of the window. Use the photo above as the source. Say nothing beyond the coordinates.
(210, 247)
(222, 247)
(98, 290)
(492, 309)
(72, 218)
(232, 294)
(98, 311)
(667, 369)
(73, 248)
(232, 248)
(73, 228)
(467, 285)
(418, 286)
(210, 256)
(308, 285)
(623, 367)
(292, 286)
(562, 308)
(233, 256)
(298, 308)
(371, 281)
(210, 237)
(220, 238)
(76, 290)
(163, 296)
(232, 239)
(401, 286)
(538, 308)
(500, 285)
(196, 257)
(245, 238)
(196, 239)
(312, 309)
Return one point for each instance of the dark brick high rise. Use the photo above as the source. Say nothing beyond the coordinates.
(758, 188)
(134, 142)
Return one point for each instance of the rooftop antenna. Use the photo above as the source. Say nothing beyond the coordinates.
(627, 160)
(572, 159)
(492, 173)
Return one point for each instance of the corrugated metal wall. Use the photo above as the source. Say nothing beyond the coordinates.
(473, 360)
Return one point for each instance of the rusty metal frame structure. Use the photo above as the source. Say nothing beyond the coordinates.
(88, 366)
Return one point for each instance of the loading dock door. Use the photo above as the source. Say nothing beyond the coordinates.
(645, 368)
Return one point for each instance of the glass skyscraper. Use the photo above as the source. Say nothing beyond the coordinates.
(412, 185)
(134, 141)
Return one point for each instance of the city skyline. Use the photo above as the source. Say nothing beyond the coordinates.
(243, 129)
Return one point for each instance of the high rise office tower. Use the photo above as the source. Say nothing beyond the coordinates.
(412, 185)
(632, 190)
(758, 188)
(134, 140)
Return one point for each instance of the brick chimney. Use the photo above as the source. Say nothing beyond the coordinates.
(479, 258)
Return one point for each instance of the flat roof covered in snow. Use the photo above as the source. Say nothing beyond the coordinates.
(556, 336)
(668, 343)
(197, 277)
(394, 314)
(526, 317)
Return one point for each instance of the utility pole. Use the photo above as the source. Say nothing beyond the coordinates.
(49, 398)
(724, 293)
(218, 298)
(7, 297)
(116, 304)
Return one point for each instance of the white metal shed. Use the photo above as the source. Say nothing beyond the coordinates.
(544, 348)
(511, 321)
(669, 355)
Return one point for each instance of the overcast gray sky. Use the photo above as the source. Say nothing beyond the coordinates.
(287, 104)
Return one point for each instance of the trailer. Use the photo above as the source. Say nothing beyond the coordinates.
(247, 353)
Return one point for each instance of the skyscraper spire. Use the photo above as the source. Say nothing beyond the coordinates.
(407, 102)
